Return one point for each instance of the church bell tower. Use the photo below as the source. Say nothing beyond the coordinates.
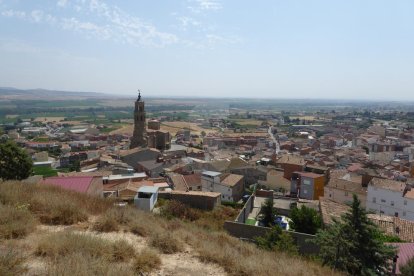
(139, 137)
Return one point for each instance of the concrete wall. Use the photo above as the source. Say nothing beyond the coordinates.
(264, 193)
(239, 230)
(247, 209)
(195, 201)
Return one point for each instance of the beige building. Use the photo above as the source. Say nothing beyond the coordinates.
(230, 186)
(275, 180)
(341, 191)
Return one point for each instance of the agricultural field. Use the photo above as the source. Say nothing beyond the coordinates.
(248, 122)
(171, 127)
(307, 118)
(49, 119)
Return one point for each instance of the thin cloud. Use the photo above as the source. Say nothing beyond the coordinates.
(198, 6)
(109, 22)
(62, 3)
(13, 13)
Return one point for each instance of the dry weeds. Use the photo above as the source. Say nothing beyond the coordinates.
(15, 222)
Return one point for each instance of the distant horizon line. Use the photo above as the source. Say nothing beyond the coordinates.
(131, 95)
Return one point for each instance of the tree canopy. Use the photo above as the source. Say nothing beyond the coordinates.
(268, 212)
(305, 220)
(353, 244)
(15, 164)
(276, 239)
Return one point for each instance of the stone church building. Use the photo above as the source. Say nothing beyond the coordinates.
(142, 138)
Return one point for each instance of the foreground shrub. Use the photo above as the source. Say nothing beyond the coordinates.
(146, 261)
(106, 223)
(113, 218)
(276, 239)
(53, 210)
(242, 258)
(139, 229)
(51, 204)
(84, 265)
(408, 268)
(60, 244)
(166, 243)
(214, 220)
(15, 222)
(11, 263)
(176, 209)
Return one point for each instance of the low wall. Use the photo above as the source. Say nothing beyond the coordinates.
(199, 201)
(245, 231)
(264, 193)
(247, 209)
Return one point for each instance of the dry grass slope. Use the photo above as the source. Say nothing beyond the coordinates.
(11, 263)
(15, 222)
(70, 250)
(146, 261)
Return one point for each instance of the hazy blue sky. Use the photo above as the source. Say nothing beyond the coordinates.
(287, 49)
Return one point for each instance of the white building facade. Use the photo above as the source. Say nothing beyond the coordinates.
(390, 201)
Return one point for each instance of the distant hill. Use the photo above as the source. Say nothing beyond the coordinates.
(10, 93)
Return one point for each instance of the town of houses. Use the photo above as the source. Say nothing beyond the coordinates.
(318, 163)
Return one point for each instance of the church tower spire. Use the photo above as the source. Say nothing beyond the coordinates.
(139, 137)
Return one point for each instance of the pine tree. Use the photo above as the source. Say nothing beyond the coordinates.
(278, 240)
(305, 220)
(15, 164)
(268, 212)
(353, 245)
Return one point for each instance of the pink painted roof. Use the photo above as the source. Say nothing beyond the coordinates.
(74, 183)
(405, 252)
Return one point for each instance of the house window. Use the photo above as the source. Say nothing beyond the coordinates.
(381, 212)
(392, 203)
(396, 214)
(383, 200)
(374, 199)
(330, 195)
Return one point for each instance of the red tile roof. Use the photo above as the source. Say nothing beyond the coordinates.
(77, 183)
